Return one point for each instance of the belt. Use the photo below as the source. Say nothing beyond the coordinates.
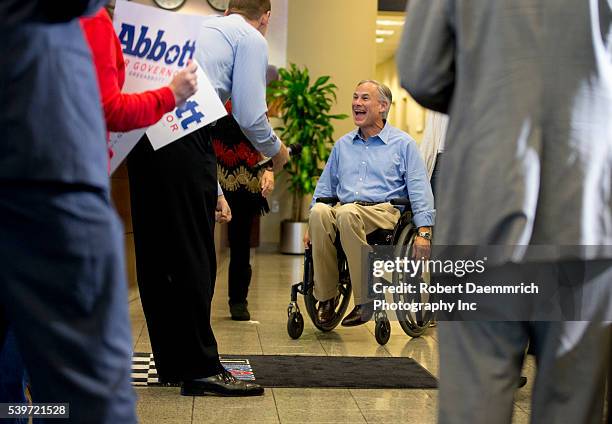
(360, 203)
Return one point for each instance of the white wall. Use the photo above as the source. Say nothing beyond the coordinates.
(277, 33)
(405, 114)
(336, 38)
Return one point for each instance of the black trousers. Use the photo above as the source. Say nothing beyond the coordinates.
(173, 196)
(239, 234)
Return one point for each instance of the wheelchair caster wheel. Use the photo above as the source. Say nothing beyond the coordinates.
(382, 331)
(295, 325)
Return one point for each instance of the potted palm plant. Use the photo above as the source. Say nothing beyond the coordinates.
(305, 112)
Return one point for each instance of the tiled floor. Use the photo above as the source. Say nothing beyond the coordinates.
(266, 334)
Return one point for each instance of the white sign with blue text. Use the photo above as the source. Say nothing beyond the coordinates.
(201, 109)
(156, 45)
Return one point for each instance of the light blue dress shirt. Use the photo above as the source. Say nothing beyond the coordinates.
(383, 167)
(234, 56)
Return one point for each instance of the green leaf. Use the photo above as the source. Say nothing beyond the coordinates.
(320, 81)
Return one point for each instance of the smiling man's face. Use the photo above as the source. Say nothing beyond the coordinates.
(367, 106)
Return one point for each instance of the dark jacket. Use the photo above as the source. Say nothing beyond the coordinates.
(51, 124)
(528, 88)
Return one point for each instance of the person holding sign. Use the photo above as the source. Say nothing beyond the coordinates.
(128, 111)
(175, 196)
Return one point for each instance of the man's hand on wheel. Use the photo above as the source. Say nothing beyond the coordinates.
(421, 248)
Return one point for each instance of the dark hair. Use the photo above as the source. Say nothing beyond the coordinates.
(250, 9)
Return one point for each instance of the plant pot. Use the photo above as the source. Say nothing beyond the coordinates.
(292, 236)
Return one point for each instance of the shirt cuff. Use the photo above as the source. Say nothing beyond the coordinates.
(219, 190)
(312, 203)
(270, 147)
(424, 219)
(169, 102)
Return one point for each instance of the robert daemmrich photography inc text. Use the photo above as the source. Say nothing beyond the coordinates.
(476, 287)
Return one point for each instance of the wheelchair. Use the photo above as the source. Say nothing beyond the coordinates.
(401, 237)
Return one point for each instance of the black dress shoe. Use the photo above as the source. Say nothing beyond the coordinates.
(326, 310)
(240, 312)
(222, 384)
(360, 315)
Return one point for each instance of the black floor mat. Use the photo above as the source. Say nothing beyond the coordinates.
(312, 371)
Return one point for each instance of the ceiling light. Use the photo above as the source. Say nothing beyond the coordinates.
(385, 32)
(389, 22)
(380, 40)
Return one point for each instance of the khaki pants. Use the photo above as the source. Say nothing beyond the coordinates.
(353, 222)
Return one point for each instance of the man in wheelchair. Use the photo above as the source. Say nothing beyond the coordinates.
(366, 169)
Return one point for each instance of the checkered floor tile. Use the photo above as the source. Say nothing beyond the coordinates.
(144, 372)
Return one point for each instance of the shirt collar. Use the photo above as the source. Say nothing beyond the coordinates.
(383, 135)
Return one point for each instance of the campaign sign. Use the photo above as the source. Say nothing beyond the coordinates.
(157, 44)
(201, 109)
(122, 144)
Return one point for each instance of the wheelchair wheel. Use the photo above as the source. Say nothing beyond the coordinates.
(414, 324)
(382, 330)
(295, 325)
(342, 300)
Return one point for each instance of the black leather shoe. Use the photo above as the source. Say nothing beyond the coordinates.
(360, 315)
(240, 312)
(222, 384)
(326, 310)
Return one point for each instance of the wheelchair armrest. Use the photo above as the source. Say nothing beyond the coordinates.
(400, 201)
(327, 200)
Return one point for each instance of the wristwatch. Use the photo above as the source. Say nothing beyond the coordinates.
(424, 234)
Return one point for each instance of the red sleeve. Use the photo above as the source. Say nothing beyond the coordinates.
(123, 112)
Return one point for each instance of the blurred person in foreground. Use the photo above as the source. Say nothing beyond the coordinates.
(527, 85)
(63, 287)
(123, 112)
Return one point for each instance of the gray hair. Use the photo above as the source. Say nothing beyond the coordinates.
(384, 94)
